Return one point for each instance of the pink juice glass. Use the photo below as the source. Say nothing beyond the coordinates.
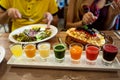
(109, 53)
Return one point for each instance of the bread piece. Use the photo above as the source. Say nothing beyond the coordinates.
(85, 38)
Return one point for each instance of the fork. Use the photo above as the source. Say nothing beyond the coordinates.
(30, 19)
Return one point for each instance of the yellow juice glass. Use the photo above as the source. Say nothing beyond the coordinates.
(16, 49)
(44, 50)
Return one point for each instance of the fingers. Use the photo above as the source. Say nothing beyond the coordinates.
(89, 18)
(48, 16)
(116, 4)
(13, 13)
(17, 14)
(45, 21)
(116, 7)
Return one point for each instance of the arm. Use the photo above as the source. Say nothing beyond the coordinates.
(10, 13)
(52, 11)
(3, 16)
(70, 16)
(113, 11)
(50, 19)
(88, 18)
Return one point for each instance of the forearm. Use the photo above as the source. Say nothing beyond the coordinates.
(110, 19)
(4, 17)
(110, 23)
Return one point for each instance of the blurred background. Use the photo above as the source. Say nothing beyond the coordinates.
(62, 13)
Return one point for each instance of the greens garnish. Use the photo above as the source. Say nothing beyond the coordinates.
(34, 34)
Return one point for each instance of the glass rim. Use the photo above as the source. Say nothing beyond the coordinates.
(14, 44)
(92, 45)
(59, 45)
(46, 43)
(77, 44)
(29, 49)
(111, 45)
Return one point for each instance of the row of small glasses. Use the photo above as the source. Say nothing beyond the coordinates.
(43, 50)
(75, 49)
(92, 51)
(30, 50)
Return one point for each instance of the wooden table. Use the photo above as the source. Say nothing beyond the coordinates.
(12, 73)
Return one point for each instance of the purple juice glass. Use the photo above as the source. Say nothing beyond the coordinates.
(109, 53)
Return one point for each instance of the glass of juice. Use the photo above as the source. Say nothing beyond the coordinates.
(44, 50)
(16, 50)
(109, 53)
(59, 51)
(92, 52)
(30, 50)
(76, 52)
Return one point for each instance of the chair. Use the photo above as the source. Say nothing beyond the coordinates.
(4, 27)
(65, 16)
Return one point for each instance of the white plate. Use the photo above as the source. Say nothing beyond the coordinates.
(51, 63)
(20, 30)
(2, 53)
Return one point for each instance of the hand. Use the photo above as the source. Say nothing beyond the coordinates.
(48, 17)
(14, 13)
(116, 7)
(89, 18)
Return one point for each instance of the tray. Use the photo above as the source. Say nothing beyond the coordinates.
(67, 64)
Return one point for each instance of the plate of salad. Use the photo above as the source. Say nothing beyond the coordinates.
(33, 33)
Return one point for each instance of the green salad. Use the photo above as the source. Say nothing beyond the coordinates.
(34, 34)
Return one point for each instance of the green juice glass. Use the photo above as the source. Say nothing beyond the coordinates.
(59, 51)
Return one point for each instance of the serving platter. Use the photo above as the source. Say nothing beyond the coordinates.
(51, 63)
(2, 53)
(53, 29)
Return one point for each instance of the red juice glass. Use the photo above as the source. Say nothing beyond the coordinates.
(109, 53)
(92, 52)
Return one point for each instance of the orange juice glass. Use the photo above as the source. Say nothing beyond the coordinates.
(76, 52)
(30, 50)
